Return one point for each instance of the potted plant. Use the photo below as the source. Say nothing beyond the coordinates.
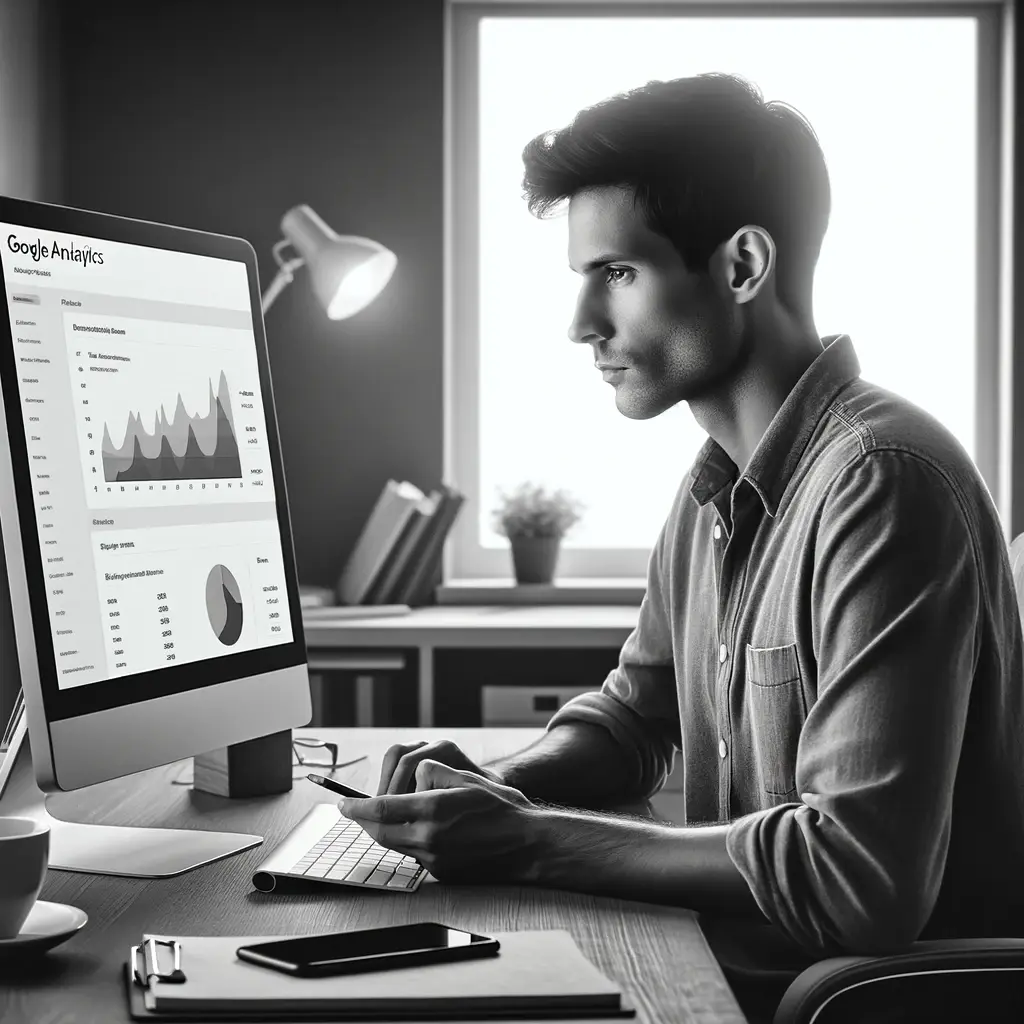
(535, 520)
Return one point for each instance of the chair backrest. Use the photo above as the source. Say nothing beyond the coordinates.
(1017, 565)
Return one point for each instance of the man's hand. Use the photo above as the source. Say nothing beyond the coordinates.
(398, 770)
(459, 825)
(464, 828)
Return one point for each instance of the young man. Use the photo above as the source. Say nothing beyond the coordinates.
(830, 637)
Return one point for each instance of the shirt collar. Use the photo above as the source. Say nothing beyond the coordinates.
(777, 453)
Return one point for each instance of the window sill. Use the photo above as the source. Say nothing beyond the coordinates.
(610, 591)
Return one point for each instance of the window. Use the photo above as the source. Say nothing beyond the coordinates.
(907, 268)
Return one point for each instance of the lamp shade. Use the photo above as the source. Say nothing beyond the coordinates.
(347, 272)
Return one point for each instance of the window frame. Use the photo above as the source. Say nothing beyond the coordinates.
(999, 381)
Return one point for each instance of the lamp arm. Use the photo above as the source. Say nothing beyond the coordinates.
(284, 275)
(278, 285)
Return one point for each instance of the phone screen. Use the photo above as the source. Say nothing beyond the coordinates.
(403, 943)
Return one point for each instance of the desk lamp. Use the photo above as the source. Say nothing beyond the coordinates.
(348, 272)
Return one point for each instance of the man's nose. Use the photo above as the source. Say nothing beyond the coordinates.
(585, 328)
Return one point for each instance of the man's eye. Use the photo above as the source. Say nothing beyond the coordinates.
(617, 270)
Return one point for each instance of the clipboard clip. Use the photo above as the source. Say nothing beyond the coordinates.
(150, 964)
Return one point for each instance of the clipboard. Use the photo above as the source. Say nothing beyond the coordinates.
(147, 964)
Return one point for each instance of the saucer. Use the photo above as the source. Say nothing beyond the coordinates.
(47, 925)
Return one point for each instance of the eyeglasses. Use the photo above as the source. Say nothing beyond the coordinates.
(311, 742)
(300, 743)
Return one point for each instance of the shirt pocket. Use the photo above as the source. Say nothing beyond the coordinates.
(777, 715)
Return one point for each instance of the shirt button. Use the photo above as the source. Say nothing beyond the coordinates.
(722, 748)
(718, 531)
(722, 653)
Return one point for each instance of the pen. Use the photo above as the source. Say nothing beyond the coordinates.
(337, 787)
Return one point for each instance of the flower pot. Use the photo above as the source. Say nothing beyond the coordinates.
(534, 558)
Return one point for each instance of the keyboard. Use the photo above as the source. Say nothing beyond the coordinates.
(326, 846)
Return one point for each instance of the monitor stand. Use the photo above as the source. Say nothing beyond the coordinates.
(122, 850)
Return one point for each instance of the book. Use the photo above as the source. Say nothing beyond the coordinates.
(419, 584)
(370, 596)
(388, 519)
(535, 974)
(404, 588)
(398, 561)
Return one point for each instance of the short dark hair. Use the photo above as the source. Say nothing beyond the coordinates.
(704, 156)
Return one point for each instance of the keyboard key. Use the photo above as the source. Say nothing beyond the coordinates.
(400, 881)
(380, 876)
(360, 873)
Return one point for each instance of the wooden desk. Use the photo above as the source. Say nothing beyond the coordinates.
(330, 643)
(657, 954)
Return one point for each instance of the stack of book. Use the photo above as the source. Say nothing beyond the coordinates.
(397, 556)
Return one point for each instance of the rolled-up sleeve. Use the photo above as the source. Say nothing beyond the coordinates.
(638, 702)
(855, 865)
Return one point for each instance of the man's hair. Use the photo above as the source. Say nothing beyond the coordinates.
(703, 156)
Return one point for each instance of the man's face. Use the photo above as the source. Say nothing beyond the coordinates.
(676, 336)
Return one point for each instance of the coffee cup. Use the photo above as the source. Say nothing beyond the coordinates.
(24, 855)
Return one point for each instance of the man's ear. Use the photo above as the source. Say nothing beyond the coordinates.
(744, 265)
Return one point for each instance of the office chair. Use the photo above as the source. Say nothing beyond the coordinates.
(932, 981)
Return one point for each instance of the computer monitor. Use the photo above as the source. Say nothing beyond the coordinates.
(144, 516)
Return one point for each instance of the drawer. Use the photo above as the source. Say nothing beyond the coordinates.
(524, 705)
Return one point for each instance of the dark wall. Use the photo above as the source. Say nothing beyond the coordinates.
(31, 167)
(223, 115)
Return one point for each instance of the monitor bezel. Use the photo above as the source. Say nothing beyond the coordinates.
(84, 699)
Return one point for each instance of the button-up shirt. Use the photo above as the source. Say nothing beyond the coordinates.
(831, 643)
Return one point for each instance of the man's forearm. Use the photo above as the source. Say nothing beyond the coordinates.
(578, 764)
(636, 860)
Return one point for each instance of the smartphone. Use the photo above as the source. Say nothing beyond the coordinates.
(336, 787)
(372, 949)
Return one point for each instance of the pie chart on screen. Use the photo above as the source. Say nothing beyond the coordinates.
(224, 604)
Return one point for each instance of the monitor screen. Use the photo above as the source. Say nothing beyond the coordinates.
(151, 457)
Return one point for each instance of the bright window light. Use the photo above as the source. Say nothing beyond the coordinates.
(893, 101)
